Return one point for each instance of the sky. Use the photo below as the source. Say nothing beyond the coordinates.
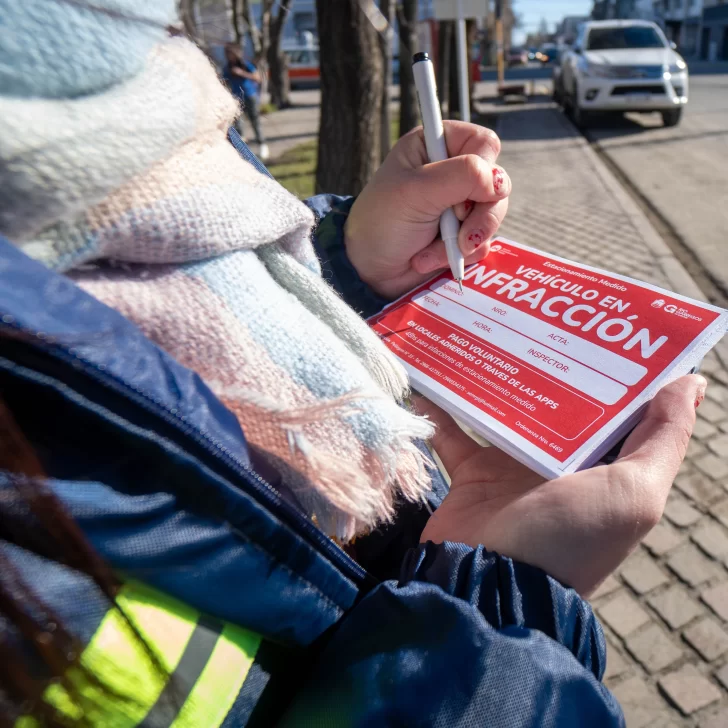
(531, 12)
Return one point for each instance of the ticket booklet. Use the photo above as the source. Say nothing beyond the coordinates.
(550, 360)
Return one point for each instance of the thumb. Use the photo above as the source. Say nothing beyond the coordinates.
(450, 442)
(657, 446)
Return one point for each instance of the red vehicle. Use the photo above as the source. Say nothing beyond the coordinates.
(303, 66)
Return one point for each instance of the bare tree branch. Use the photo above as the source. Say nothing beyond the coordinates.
(278, 83)
(252, 27)
(235, 11)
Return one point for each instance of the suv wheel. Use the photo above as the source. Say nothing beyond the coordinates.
(580, 117)
(672, 117)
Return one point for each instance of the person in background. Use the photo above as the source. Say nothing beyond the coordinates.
(243, 79)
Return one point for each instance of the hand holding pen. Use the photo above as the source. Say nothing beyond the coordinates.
(392, 232)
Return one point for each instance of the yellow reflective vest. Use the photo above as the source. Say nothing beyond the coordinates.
(154, 661)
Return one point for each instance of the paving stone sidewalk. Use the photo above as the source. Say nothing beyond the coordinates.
(665, 612)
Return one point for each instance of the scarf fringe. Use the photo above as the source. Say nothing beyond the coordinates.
(348, 505)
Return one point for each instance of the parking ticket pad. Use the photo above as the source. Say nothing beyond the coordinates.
(550, 360)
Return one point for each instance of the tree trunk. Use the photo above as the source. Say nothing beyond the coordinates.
(408, 111)
(472, 36)
(252, 28)
(237, 29)
(261, 60)
(278, 82)
(265, 15)
(385, 40)
(351, 96)
(445, 41)
(279, 86)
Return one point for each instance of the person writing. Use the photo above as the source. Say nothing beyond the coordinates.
(216, 508)
(244, 80)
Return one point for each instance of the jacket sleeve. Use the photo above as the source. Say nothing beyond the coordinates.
(465, 638)
(331, 212)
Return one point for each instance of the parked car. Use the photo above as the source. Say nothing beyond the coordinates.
(517, 57)
(304, 70)
(548, 53)
(623, 65)
(303, 66)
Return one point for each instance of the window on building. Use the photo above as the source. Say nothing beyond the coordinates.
(304, 21)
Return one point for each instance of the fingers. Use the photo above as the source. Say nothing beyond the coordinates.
(666, 425)
(481, 225)
(464, 138)
(450, 442)
(652, 454)
(434, 257)
(459, 179)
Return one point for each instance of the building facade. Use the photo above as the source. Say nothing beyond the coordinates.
(714, 32)
(623, 10)
(681, 20)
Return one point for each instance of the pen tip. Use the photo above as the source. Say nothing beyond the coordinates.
(460, 283)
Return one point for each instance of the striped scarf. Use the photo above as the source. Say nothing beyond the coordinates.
(132, 189)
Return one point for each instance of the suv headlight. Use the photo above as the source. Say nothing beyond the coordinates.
(678, 67)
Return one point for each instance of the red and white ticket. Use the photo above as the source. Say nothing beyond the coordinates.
(549, 359)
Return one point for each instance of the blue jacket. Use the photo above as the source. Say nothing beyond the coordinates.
(157, 473)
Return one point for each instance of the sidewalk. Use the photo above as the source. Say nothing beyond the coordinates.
(665, 612)
(290, 127)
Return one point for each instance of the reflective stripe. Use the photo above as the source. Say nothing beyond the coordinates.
(182, 681)
(221, 680)
(208, 663)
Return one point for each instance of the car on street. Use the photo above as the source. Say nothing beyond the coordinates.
(623, 65)
(517, 57)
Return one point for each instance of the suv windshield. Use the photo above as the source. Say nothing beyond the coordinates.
(636, 36)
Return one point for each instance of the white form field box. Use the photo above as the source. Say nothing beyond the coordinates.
(613, 365)
(445, 301)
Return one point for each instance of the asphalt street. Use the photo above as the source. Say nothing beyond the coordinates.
(682, 171)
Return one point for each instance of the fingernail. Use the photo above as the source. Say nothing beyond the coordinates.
(499, 180)
(468, 205)
(475, 238)
(700, 392)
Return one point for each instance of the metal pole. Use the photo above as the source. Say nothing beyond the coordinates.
(499, 40)
(462, 46)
